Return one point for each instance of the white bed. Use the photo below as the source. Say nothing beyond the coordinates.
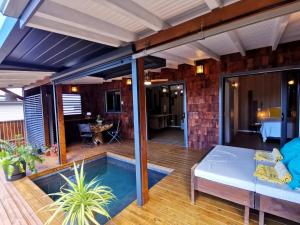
(282, 192)
(230, 166)
(271, 128)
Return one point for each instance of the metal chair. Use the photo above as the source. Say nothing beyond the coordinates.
(115, 133)
(86, 133)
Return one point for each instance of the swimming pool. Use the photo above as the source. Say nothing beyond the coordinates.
(115, 173)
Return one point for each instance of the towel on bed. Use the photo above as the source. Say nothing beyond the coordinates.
(273, 156)
(277, 174)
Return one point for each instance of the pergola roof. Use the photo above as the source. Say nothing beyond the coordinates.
(60, 34)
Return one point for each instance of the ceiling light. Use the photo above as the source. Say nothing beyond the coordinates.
(291, 82)
(147, 81)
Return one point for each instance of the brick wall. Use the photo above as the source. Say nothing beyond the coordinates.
(202, 103)
(202, 94)
(126, 115)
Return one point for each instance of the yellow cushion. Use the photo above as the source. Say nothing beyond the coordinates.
(275, 112)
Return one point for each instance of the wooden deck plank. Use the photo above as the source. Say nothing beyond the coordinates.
(169, 202)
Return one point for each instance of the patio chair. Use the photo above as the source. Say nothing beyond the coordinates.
(86, 134)
(115, 133)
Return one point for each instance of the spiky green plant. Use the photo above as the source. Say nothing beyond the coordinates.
(15, 154)
(80, 201)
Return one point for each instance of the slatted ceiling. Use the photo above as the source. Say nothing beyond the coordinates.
(99, 10)
(34, 123)
(187, 52)
(220, 44)
(72, 104)
(30, 40)
(56, 49)
(86, 50)
(20, 78)
(257, 35)
(292, 32)
(166, 9)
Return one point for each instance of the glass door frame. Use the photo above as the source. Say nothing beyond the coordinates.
(281, 70)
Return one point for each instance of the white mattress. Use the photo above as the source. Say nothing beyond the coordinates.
(282, 192)
(230, 166)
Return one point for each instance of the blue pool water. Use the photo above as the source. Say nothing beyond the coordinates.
(117, 174)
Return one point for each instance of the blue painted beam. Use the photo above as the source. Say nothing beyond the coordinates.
(12, 40)
(6, 26)
(28, 12)
(140, 146)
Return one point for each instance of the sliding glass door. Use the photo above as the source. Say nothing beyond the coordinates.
(289, 106)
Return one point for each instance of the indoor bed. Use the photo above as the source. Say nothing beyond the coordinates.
(271, 128)
(226, 172)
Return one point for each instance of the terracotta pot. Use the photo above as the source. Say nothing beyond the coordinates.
(53, 154)
(16, 174)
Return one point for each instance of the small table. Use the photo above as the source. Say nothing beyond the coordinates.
(98, 129)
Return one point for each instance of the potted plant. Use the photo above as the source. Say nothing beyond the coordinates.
(15, 157)
(80, 201)
(52, 151)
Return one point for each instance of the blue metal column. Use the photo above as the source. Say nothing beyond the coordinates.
(140, 142)
(56, 120)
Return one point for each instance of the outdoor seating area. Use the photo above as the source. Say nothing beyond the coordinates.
(219, 174)
(142, 112)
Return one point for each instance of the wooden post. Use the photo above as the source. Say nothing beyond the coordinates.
(140, 139)
(60, 124)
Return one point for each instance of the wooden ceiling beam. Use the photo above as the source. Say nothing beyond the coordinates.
(60, 28)
(138, 13)
(233, 36)
(220, 20)
(175, 58)
(213, 4)
(66, 15)
(281, 24)
(207, 51)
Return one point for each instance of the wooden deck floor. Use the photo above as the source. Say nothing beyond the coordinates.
(169, 199)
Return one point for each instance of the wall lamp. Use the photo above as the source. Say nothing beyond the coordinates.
(74, 89)
(200, 68)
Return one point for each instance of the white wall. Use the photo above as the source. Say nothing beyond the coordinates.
(11, 111)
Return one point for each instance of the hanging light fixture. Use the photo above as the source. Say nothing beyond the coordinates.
(291, 82)
(147, 81)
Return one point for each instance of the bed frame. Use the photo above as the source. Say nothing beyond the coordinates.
(277, 207)
(233, 194)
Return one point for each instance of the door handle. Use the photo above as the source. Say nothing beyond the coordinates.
(282, 116)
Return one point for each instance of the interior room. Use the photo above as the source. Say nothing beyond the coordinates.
(165, 111)
(260, 110)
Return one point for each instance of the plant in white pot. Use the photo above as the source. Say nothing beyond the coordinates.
(14, 158)
(80, 201)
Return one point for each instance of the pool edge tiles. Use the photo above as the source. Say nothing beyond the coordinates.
(151, 166)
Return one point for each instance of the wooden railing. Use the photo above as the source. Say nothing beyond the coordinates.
(10, 129)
